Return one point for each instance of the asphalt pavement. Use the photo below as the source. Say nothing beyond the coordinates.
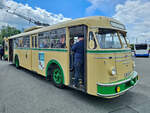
(22, 91)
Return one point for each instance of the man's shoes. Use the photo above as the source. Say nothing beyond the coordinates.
(75, 86)
(82, 86)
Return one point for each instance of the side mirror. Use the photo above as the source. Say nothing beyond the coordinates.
(92, 44)
(128, 42)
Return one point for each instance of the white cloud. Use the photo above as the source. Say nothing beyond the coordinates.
(94, 5)
(105, 6)
(36, 13)
(135, 15)
(2, 3)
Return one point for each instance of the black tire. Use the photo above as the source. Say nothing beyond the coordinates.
(57, 77)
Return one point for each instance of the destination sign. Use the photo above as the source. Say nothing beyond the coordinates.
(117, 25)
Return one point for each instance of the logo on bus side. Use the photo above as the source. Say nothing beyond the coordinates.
(41, 60)
(127, 74)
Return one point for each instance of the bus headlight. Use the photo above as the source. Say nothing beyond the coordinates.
(113, 72)
(134, 64)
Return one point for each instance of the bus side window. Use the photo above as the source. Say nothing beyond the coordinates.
(42, 40)
(53, 36)
(26, 42)
(92, 42)
(20, 42)
(32, 41)
(16, 43)
(35, 41)
(58, 38)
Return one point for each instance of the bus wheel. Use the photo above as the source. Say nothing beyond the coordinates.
(57, 77)
(17, 62)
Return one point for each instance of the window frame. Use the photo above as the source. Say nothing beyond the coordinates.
(116, 32)
(93, 38)
(50, 38)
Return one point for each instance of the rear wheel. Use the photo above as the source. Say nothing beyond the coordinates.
(57, 77)
(17, 62)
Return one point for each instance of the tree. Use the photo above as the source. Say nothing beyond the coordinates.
(132, 46)
(8, 31)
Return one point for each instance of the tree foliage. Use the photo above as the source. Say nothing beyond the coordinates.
(8, 31)
(132, 46)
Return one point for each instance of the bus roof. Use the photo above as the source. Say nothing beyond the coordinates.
(94, 21)
(142, 44)
(32, 28)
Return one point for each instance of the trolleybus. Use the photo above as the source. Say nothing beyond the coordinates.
(108, 65)
(141, 50)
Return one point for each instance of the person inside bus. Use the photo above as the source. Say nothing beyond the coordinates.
(62, 43)
(78, 49)
(44, 44)
(71, 43)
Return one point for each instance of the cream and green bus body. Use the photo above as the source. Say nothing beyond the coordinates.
(108, 71)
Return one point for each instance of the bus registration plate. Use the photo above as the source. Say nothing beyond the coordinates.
(127, 74)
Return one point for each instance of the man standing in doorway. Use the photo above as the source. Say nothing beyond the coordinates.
(78, 50)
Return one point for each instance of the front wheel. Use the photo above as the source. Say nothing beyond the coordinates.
(57, 77)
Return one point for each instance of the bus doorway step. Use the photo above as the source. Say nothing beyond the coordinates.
(80, 87)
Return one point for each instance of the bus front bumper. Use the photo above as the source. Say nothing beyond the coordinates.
(118, 88)
(140, 55)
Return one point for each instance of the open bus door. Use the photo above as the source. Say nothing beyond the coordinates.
(74, 32)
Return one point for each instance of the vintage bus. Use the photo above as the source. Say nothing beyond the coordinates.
(108, 65)
(141, 50)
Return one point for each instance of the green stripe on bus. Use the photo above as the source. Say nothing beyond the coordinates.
(63, 50)
(107, 51)
(88, 51)
(41, 49)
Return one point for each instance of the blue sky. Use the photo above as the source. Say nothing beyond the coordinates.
(69, 8)
(134, 14)
(74, 8)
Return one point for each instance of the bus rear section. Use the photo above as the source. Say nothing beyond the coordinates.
(141, 50)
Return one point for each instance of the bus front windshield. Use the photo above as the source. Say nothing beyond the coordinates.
(108, 39)
(141, 47)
